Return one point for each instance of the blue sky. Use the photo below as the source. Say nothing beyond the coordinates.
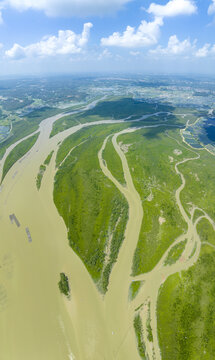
(41, 36)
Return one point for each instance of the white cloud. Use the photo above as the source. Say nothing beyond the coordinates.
(173, 8)
(68, 7)
(211, 9)
(67, 42)
(134, 53)
(175, 47)
(204, 51)
(16, 52)
(146, 34)
(105, 54)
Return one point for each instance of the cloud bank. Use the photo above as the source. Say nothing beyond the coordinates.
(146, 34)
(174, 47)
(173, 8)
(211, 9)
(205, 51)
(66, 43)
(185, 48)
(68, 7)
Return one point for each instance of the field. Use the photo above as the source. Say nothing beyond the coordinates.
(186, 312)
(206, 232)
(25, 126)
(138, 331)
(134, 289)
(64, 123)
(18, 152)
(175, 253)
(126, 107)
(186, 301)
(152, 159)
(94, 211)
(64, 284)
(40, 174)
(42, 170)
(119, 108)
(200, 188)
(113, 161)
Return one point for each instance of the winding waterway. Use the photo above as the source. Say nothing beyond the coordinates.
(36, 322)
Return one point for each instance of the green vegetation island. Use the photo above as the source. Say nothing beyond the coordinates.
(64, 284)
